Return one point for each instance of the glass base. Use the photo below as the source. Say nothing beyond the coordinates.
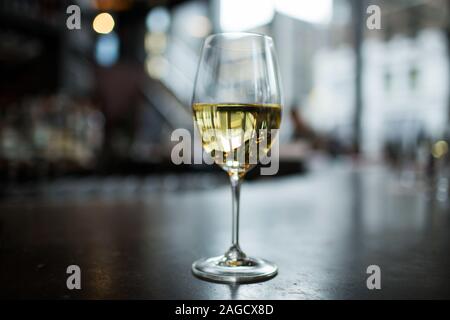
(245, 270)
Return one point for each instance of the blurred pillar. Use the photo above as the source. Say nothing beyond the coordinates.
(358, 22)
(214, 10)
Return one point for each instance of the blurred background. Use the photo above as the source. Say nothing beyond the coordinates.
(86, 178)
(89, 112)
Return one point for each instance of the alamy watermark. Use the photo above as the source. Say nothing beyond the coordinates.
(374, 280)
(373, 21)
(231, 148)
(73, 21)
(74, 280)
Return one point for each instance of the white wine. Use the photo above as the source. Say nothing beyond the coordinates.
(232, 133)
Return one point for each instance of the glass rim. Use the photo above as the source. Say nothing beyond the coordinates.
(235, 35)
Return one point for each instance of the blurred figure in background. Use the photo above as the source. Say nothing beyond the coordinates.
(303, 131)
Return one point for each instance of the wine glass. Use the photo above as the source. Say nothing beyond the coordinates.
(237, 110)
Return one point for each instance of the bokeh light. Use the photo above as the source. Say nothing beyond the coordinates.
(158, 20)
(103, 23)
(157, 67)
(107, 49)
(155, 42)
(440, 149)
(199, 26)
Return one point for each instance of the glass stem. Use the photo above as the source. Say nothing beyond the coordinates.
(236, 190)
(235, 253)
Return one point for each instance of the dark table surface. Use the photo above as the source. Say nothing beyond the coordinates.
(323, 229)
